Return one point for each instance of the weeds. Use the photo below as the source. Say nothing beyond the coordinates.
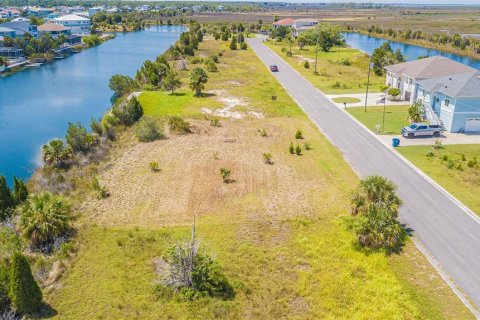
(263, 132)
(154, 166)
(299, 134)
(225, 173)
(291, 149)
(100, 191)
(267, 158)
(177, 124)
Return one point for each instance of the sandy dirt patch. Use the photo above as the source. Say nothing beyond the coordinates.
(230, 104)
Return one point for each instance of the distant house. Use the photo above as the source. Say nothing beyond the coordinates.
(302, 25)
(54, 30)
(78, 24)
(94, 10)
(288, 22)
(9, 13)
(454, 100)
(404, 76)
(39, 11)
(21, 28)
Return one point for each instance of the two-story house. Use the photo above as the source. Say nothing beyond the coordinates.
(455, 100)
(404, 76)
(78, 24)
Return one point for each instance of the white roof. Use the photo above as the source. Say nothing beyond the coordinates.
(71, 17)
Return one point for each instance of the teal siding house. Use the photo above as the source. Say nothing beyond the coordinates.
(453, 101)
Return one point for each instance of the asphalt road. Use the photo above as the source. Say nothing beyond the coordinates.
(448, 232)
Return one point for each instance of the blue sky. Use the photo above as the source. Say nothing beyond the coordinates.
(415, 2)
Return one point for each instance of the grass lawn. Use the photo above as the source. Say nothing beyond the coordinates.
(278, 230)
(160, 103)
(334, 77)
(396, 117)
(346, 100)
(450, 168)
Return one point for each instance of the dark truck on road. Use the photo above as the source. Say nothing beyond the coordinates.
(422, 129)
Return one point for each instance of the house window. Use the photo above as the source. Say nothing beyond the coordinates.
(447, 102)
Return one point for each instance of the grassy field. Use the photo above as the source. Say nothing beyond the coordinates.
(342, 70)
(278, 230)
(453, 172)
(396, 117)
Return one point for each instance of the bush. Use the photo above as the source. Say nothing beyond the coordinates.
(154, 166)
(233, 43)
(198, 79)
(384, 88)
(193, 274)
(43, 218)
(215, 122)
(243, 46)
(7, 202)
(298, 150)
(263, 132)
(147, 130)
(121, 84)
(96, 126)
(299, 134)
(100, 191)
(215, 58)
(394, 92)
(77, 137)
(128, 112)
(291, 149)
(267, 158)
(307, 146)
(177, 124)
(4, 301)
(225, 173)
(289, 53)
(306, 64)
(211, 66)
(24, 293)
(430, 154)
(20, 191)
(344, 62)
(415, 112)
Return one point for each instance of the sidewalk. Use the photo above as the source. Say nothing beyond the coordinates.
(446, 138)
(372, 100)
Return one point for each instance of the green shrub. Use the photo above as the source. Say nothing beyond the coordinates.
(445, 157)
(4, 301)
(43, 218)
(147, 130)
(344, 62)
(306, 64)
(128, 112)
(307, 146)
(233, 43)
(100, 191)
(263, 132)
(464, 158)
(96, 126)
(299, 134)
(472, 163)
(225, 174)
(211, 66)
(298, 150)
(430, 154)
(154, 166)
(215, 122)
(24, 293)
(291, 149)
(195, 60)
(243, 46)
(215, 58)
(289, 53)
(7, 201)
(384, 88)
(450, 164)
(267, 158)
(177, 124)
(20, 190)
(438, 145)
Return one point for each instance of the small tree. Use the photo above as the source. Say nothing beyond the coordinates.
(7, 201)
(24, 293)
(77, 137)
(20, 190)
(415, 112)
(243, 46)
(394, 92)
(291, 149)
(172, 80)
(56, 153)
(233, 43)
(121, 84)
(299, 134)
(306, 64)
(267, 158)
(198, 79)
(298, 150)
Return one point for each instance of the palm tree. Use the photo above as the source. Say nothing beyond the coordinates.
(56, 153)
(375, 191)
(43, 218)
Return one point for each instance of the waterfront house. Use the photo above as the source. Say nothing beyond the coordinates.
(39, 12)
(404, 76)
(77, 24)
(453, 100)
(54, 30)
(288, 22)
(11, 53)
(7, 32)
(21, 28)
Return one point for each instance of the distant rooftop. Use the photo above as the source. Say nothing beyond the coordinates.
(285, 22)
(49, 27)
(432, 67)
(464, 85)
(71, 17)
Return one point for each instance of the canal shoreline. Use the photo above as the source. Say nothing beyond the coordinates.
(424, 44)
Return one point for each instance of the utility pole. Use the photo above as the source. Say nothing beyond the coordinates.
(383, 123)
(316, 57)
(368, 83)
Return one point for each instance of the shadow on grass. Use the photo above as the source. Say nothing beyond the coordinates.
(205, 95)
(46, 312)
(177, 94)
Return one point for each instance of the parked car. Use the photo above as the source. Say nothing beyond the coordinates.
(273, 68)
(422, 129)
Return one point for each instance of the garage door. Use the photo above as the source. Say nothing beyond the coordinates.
(472, 125)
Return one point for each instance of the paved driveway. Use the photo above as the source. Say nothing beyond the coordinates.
(449, 231)
(372, 99)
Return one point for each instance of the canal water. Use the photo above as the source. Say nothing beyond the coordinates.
(368, 43)
(36, 104)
